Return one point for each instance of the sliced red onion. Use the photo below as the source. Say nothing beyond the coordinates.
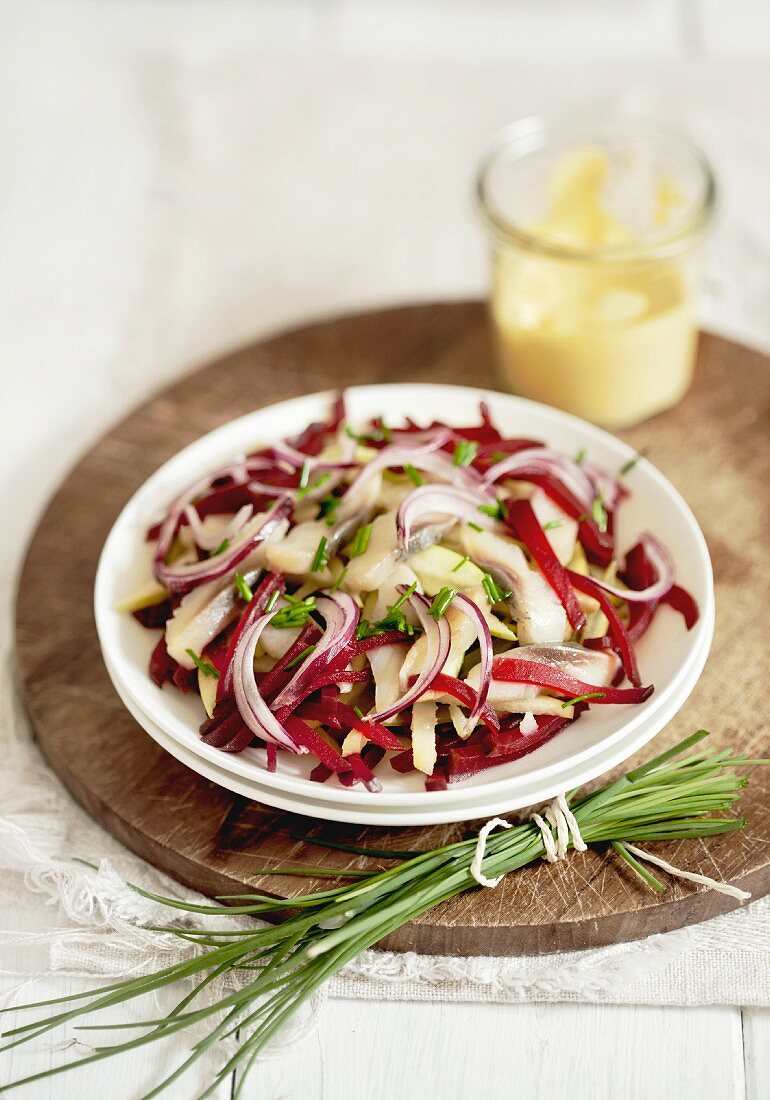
(266, 490)
(325, 486)
(472, 611)
(260, 462)
(176, 509)
(291, 456)
(425, 457)
(605, 486)
(660, 559)
(238, 470)
(210, 540)
(183, 577)
(251, 706)
(442, 500)
(438, 637)
(542, 460)
(340, 613)
(296, 459)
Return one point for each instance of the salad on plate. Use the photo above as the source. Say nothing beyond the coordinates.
(447, 598)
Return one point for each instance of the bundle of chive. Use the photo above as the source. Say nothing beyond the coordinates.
(675, 796)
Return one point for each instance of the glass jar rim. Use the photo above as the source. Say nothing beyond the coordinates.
(533, 133)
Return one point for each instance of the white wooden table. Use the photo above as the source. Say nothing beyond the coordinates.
(178, 176)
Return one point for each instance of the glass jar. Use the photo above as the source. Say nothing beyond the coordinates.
(594, 231)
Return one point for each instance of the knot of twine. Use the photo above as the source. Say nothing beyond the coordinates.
(559, 828)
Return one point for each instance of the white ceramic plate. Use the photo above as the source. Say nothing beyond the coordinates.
(338, 807)
(666, 653)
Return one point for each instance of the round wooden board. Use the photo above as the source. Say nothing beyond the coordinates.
(714, 449)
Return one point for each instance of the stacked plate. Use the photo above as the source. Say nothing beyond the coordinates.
(670, 657)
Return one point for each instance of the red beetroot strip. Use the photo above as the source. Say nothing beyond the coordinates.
(499, 447)
(312, 439)
(618, 633)
(459, 759)
(164, 669)
(321, 773)
(517, 671)
(324, 679)
(524, 523)
(450, 685)
(483, 433)
(316, 743)
(156, 616)
(361, 771)
(278, 676)
(639, 573)
(465, 760)
(598, 545)
(340, 716)
(226, 730)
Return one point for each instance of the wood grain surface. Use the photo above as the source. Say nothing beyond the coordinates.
(714, 447)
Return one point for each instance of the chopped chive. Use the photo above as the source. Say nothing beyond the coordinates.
(497, 456)
(465, 452)
(304, 474)
(339, 580)
(360, 541)
(300, 656)
(296, 614)
(244, 591)
(442, 601)
(204, 666)
(221, 548)
(580, 456)
(310, 486)
(321, 555)
(475, 526)
(599, 512)
(496, 510)
(460, 564)
(271, 601)
(327, 509)
(359, 712)
(495, 594)
(380, 434)
(394, 620)
(583, 698)
(627, 467)
(415, 475)
(404, 597)
(553, 524)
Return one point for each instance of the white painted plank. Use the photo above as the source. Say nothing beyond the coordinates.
(435, 1051)
(525, 29)
(756, 1051)
(125, 1077)
(740, 28)
(133, 1073)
